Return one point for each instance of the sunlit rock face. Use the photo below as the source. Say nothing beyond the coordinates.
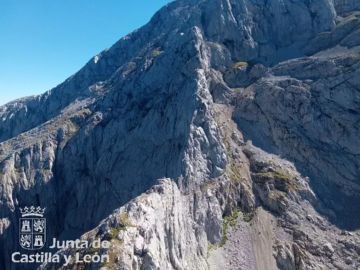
(221, 135)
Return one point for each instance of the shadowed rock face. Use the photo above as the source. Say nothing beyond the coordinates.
(343, 7)
(148, 145)
(307, 110)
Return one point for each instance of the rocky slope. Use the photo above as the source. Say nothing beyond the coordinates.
(222, 135)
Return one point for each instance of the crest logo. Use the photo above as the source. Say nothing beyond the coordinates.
(32, 230)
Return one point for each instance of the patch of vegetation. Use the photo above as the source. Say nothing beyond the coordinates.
(156, 52)
(284, 181)
(123, 223)
(233, 169)
(228, 221)
(124, 220)
(112, 257)
(281, 175)
(247, 217)
(236, 89)
(111, 264)
(356, 55)
(234, 172)
(277, 195)
(231, 220)
(113, 252)
(240, 65)
(114, 232)
(212, 247)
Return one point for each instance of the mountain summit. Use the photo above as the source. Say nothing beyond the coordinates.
(224, 134)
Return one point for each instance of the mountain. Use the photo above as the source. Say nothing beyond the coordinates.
(224, 134)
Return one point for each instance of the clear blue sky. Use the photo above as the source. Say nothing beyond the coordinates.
(45, 41)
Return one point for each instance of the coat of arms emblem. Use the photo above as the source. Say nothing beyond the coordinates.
(32, 230)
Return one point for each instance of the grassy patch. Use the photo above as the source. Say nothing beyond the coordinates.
(113, 252)
(156, 52)
(231, 220)
(277, 195)
(113, 259)
(240, 65)
(355, 56)
(284, 181)
(124, 220)
(114, 232)
(212, 247)
(234, 172)
(232, 169)
(123, 223)
(236, 89)
(247, 217)
(228, 221)
(275, 175)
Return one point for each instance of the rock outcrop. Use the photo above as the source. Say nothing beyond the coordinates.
(221, 135)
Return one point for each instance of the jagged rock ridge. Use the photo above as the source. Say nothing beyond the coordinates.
(166, 118)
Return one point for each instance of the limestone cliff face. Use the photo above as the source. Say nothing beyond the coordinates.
(222, 135)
